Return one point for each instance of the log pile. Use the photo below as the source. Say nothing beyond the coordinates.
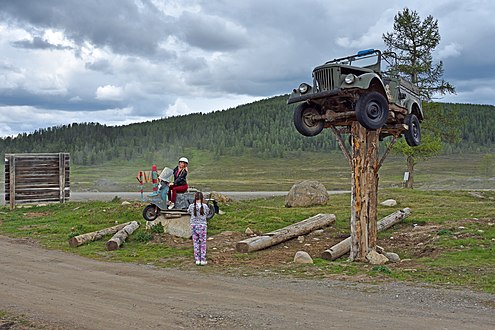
(95, 235)
(116, 241)
(280, 235)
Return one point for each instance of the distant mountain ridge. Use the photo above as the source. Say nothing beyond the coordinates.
(262, 128)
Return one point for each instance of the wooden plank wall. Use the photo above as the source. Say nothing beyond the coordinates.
(33, 178)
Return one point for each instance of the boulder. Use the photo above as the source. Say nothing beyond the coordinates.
(307, 193)
(392, 257)
(220, 198)
(302, 257)
(389, 202)
(173, 225)
(376, 258)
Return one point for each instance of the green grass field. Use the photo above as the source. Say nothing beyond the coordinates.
(449, 237)
(246, 173)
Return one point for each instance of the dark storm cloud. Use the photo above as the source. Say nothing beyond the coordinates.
(22, 97)
(37, 43)
(121, 25)
(212, 33)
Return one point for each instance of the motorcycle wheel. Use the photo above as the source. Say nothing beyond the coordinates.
(150, 213)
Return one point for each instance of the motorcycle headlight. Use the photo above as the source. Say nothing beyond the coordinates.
(350, 78)
(303, 88)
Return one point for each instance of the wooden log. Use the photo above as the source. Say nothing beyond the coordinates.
(343, 247)
(286, 233)
(116, 241)
(95, 235)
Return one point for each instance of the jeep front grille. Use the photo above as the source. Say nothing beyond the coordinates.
(324, 80)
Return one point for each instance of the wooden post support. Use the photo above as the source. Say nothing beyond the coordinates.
(364, 200)
(95, 235)
(343, 247)
(116, 241)
(286, 233)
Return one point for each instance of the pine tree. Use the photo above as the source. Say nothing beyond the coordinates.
(413, 40)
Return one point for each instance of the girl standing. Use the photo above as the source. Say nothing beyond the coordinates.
(198, 211)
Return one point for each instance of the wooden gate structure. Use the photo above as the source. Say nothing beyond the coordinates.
(33, 178)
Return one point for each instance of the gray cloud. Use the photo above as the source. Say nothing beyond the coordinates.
(126, 60)
(38, 43)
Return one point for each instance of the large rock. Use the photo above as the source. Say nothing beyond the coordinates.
(389, 202)
(220, 198)
(302, 257)
(376, 258)
(173, 225)
(307, 193)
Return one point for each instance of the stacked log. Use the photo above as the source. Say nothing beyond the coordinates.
(342, 248)
(116, 241)
(280, 235)
(95, 235)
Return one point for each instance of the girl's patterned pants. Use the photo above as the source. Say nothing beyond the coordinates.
(199, 242)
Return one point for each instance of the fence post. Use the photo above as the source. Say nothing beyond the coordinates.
(12, 181)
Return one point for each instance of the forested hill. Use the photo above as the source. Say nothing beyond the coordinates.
(262, 128)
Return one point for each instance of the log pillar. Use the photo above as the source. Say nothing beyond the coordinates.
(364, 199)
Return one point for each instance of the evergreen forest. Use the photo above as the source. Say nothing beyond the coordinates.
(259, 129)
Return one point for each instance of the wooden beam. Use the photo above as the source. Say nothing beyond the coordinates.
(343, 247)
(95, 235)
(340, 141)
(286, 233)
(12, 181)
(116, 241)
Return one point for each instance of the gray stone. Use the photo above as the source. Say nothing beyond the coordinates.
(376, 258)
(302, 257)
(307, 193)
(173, 225)
(392, 257)
(300, 239)
(389, 202)
(248, 231)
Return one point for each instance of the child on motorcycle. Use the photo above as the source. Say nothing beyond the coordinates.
(180, 183)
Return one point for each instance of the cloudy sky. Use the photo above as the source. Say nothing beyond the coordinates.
(122, 61)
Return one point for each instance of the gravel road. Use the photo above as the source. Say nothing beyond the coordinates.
(60, 291)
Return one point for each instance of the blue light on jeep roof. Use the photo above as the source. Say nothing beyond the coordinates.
(365, 52)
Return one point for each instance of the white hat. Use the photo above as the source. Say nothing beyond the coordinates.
(184, 159)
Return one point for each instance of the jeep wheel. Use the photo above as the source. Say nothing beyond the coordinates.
(304, 120)
(372, 110)
(413, 133)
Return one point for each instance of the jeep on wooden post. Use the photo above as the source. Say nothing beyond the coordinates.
(343, 92)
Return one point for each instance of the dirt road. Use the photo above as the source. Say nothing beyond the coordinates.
(57, 290)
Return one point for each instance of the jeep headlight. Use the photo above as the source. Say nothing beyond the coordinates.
(350, 78)
(303, 88)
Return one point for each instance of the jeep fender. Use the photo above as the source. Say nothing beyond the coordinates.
(414, 108)
(369, 80)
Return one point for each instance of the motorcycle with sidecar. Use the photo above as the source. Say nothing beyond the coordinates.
(158, 200)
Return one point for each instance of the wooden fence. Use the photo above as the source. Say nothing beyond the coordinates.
(33, 178)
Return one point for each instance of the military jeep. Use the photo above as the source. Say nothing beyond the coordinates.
(343, 92)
